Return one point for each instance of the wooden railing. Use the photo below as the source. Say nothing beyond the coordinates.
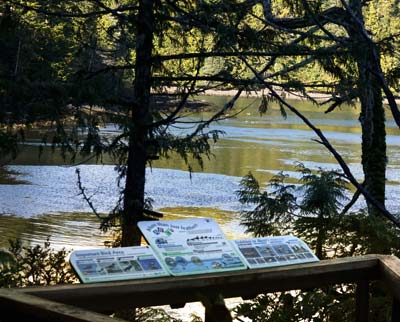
(80, 302)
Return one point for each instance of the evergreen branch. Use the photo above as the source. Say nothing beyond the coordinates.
(304, 34)
(235, 81)
(184, 13)
(289, 52)
(115, 141)
(172, 117)
(190, 18)
(302, 22)
(320, 24)
(221, 112)
(116, 11)
(107, 69)
(106, 10)
(196, 91)
(337, 101)
(220, 118)
(233, 100)
(293, 67)
(215, 78)
(261, 79)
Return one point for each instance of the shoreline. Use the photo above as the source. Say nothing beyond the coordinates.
(258, 94)
(253, 93)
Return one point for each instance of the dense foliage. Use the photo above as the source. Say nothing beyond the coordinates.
(22, 266)
(313, 211)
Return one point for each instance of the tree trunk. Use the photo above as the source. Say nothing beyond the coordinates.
(372, 117)
(372, 121)
(137, 155)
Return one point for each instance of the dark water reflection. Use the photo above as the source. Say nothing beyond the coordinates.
(72, 230)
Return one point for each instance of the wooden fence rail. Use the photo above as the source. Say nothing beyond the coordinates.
(79, 302)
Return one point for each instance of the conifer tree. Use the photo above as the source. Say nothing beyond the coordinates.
(355, 66)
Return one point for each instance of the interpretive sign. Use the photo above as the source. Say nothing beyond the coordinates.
(191, 246)
(274, 251)
(112, 264)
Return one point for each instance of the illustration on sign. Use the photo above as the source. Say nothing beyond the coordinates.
(274, 251)
(101, 265)
(191, 246)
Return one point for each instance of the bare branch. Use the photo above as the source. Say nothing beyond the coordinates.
(86, 197)
(352, 201)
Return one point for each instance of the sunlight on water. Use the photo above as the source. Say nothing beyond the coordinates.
(54, 189)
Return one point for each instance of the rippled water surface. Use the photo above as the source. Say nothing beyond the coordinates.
(46, 202)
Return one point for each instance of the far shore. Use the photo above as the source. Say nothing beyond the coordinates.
(283, 94)
(254, 93)
(292, 95)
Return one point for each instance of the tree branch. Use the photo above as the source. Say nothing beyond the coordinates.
(352, 201)
(290, 51)
(86, 197)
(170, 118)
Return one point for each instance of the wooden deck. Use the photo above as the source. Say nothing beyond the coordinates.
(79, 302)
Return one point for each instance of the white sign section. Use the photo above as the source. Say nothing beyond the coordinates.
(112, 264)
(274, 251)
(191, 246)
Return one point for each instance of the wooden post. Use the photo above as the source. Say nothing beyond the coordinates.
(395, 310)
(362, 301)
(215, 308)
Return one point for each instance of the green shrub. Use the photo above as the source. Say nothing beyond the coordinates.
(36, 265)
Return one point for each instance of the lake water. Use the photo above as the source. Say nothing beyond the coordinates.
(46, 201)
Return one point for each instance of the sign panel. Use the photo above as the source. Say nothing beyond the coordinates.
(112, 264)
(274, 251)
(191, 246)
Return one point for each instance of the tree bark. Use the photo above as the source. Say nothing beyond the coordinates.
(372, 116)
(141, 116)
